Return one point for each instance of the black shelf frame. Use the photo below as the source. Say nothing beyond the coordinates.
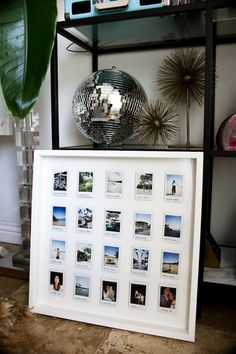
(223, 153)
(210, 40)
(209, 139)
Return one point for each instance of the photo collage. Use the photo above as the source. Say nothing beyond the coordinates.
(140, 254)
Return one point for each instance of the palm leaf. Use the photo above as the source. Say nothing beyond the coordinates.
(27, 32)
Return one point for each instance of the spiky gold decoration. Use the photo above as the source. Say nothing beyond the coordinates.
(181, 79)
(182, 75)
(157, 123)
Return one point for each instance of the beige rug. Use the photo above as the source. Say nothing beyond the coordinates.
(22, 332)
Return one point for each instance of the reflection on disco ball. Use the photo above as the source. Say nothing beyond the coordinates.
(106, 106)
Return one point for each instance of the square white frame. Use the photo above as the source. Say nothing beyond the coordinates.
(178, 324)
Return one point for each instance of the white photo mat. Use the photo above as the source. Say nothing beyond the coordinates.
(132, 296)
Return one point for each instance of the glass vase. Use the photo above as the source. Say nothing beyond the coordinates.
(26, 133)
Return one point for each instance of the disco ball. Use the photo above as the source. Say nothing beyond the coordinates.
(106, 106)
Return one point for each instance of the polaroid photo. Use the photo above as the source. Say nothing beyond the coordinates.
(172, 228)
(111, 256)
(137, 296)
(142, 225)
(59, 218)
(84, 220)
(85, 184)
(174, 185)
(140, 261)
(112, 222)
(109, 292)
(170, 264)
(114, 184)
(60, 179)
(57, 251)
(56, 282)
(84, 253)
(167, 299)
(82, 287)
(143, 185)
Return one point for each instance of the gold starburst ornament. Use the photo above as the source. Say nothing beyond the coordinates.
(181, 80)
(157, 123)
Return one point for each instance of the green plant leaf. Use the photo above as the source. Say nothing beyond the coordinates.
(27, 32)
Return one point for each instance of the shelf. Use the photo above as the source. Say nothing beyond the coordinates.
(225, 19)
(168, 26)
(165, 27)
(127, 15)
(226, 273)
(223, 153)
(133, 147)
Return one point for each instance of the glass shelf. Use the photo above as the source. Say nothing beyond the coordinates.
(169, 26)
(223, 153)
(134, 29)
(135, 147)
(225, 19)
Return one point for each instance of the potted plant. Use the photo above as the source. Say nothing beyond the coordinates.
(27, 32)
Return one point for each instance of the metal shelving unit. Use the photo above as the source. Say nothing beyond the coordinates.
(189, 25)
(214, 35)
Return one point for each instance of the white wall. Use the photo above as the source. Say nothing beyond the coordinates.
(224, 194)
(224, 201)
(73, 67)
(9, 200)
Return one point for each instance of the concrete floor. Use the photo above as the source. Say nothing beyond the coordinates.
(32, 333)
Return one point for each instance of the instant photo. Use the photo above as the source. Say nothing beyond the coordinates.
(140, 260)
(111, 255)
(167, 299)
(57, 251)
(170, 264)
(112, 222)
(109, 292)
(137, 297)
(84, 219)
(174, 187)
(172, 227)
(114, 184)
(59, 217)
(142, 225)
(60, 182)
(143, 185)
(83, 255)
(56, 282)
(86, 184)
(82, 287)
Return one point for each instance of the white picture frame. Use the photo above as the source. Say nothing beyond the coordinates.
(176, 319)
